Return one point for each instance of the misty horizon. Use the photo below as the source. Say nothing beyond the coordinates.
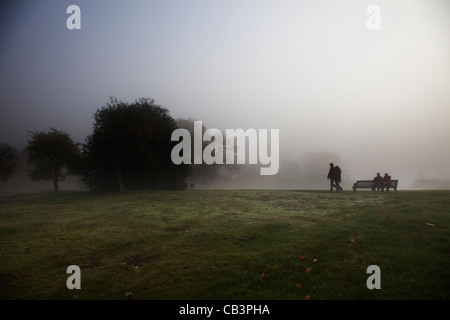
(369, 100)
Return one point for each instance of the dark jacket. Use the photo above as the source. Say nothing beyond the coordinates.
(337, 174)
(378, 180)
(334, 174)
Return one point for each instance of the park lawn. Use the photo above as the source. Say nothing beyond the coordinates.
(226, 244)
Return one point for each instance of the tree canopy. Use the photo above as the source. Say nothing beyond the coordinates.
(130, 148)
(203, 174)
(54, 156)
(8, 161)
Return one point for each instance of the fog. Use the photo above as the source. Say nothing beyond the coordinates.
(369, 100)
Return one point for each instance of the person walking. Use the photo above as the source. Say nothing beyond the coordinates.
(337, 178)
(334, 175)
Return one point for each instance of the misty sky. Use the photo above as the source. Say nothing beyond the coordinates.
(380, 99)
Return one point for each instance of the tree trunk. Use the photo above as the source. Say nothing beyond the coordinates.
(119, 178)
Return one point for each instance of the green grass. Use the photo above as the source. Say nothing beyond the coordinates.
(239, 244)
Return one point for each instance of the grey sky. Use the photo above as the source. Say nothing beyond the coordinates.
(378, 98)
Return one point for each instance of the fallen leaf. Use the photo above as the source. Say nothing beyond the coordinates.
(431, 224)
(380, 211)
(135, 267)
(303, 257)
(262, 275)
(307, 297)
(299, 285)
(128, 294)
(353, 240)
(308, 269)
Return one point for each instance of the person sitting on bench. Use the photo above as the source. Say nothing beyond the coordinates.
(377, 182)
(386, 182)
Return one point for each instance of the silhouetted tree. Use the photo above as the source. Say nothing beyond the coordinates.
(130, 148)
(204, 174)
(8, 161)
(54, 156)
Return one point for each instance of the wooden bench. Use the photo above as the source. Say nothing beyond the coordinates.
(367, 184)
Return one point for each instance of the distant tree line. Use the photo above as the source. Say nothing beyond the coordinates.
(8, 161)
(129, 149)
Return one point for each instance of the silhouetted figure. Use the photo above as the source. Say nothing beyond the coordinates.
(377, 183)
(334, 174)
(386, 182)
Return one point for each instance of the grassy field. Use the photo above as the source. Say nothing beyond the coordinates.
(227, 244)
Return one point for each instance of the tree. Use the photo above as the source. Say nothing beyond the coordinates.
(205, 175)
(8, 161)
(54, 156)
(130, 148)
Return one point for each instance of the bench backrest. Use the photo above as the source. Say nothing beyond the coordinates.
(368, 183)
(364, 183)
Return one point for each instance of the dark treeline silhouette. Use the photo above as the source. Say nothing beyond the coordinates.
(130, 148)
(53, 155)
(9, 161)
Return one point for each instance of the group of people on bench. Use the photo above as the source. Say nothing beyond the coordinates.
(380, 183)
